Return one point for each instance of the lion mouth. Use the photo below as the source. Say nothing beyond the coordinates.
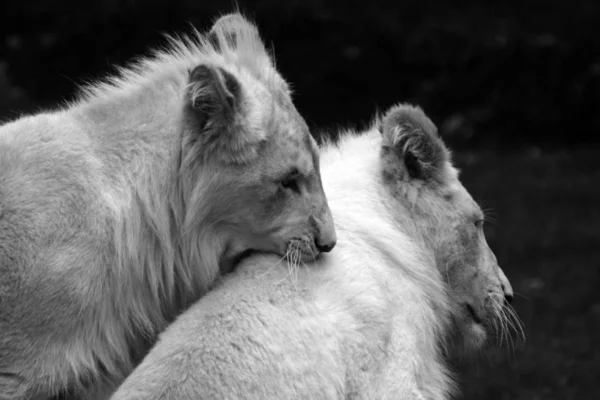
(301, 251)
(473, 314)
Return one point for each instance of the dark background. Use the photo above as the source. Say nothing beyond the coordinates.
(513, 86)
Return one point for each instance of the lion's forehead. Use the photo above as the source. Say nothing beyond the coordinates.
(293, 139)
(298, 149)
(461, 199)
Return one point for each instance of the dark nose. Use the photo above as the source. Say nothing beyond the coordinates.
(506, 286)
(324, 247)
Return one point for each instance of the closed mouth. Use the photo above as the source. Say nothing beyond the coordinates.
(301, 250)
(304, 256)
(473, 314)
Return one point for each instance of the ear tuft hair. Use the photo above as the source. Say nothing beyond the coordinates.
(232, 31)
(234, 35)
(214, 94)
(414, 140)
(227, 28)
(217, 117)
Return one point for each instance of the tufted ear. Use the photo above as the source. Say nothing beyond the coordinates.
(225, 29)
(232, 31)
(213, 96)
(216, 114)
(411, 140)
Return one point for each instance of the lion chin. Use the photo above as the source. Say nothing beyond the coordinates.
(478, 329)
(475, 336)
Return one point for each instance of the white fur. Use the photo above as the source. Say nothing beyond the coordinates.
(108, 228)
(364, 322)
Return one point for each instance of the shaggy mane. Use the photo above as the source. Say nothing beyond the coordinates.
(182, 51)
(153, 239)
(354, 157)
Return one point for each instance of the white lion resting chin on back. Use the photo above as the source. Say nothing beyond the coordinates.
(368, 321)
(121, 209)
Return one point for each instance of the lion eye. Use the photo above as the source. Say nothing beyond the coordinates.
(291, 181)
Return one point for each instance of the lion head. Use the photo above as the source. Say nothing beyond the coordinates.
(240, 125)
(138, 193)
(417, 168)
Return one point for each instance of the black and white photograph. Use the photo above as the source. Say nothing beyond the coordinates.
(299, 199)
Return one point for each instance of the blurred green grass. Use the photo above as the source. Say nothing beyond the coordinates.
(546, 208)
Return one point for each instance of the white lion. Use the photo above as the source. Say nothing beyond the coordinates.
(369, 320)
(119, 210)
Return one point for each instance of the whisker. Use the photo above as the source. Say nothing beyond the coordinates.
(276, 263)
(496, 331)
(510, 322)
(306, 268)
(294, 265)
(509, 338)
(507, 326)
(287, 257)
(313, 256)
(488, 211)
(517, 322)
(522, 295)
(501, 322)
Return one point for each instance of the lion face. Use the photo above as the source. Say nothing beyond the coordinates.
(279, 203)
(242, 127)
(291, 215)
(417, 166)
(478, 289)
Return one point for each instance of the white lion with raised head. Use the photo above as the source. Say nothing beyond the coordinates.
(119, 210)
(367, 321)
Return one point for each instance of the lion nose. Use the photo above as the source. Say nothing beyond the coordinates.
(325, 247)
(506, 286)
(325, 236)
(508, 292)
(508, 296)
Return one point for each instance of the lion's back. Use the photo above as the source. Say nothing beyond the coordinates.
(51, 210)
(271, 332)
(251, 337)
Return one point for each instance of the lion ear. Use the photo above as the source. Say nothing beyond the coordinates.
(232, 32)
(411, 139)
(216, 114)
(215, 110)
(214, 97)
